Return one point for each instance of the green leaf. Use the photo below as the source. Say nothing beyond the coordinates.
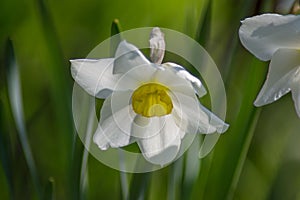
(244, 150)
(76, 169)
(204, 25)
(49, 192)
(192, 168)
(222, 169)
(16, 103)
(115, 27)
(116, 36)
(5, 154)
(245, 8)
(139, 186)
(89, 127)
(231, 150)
(59, 73)
(60, 86)
(175, 179)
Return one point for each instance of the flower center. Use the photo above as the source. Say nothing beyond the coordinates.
(151, 100)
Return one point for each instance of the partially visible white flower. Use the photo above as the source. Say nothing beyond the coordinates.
(152, 104)
(277, 38)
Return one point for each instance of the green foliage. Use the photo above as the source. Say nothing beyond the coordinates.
(257, 158)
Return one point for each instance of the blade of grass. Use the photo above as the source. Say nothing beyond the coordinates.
(245, 9)
(59, 72)
(175, 179)
(230, 152)
(5, 153)
(243, 155)
(123, 176)
(84, 163)
(115, 31)
(49, 192)
(202, 36)
(199, 190)
(16, 103)
(76, 169)
(221, 179)
(139, 186)
(60, 88)
(204, 25)
(247, 129)
(192, 168)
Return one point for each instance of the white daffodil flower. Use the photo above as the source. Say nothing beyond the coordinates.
(277, 38)
(152, 104)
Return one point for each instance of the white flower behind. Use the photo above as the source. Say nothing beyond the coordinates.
(277, 38)
(152, 104)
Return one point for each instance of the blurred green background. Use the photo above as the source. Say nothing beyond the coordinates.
(258, 158)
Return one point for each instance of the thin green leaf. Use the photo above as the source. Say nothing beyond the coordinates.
(49, 193)
(123, 177)
(236, 176)
(59, 72)
(139, 186)
(90, 124)
(115, 27)
(246, 8)
(202, 36)
(15, 97)
(204, 25)
(116, 38)
(5, 154)
(192, 168)
(175, 179)
(230, 152)
(76, 169)
(199, 190)
(60, 89)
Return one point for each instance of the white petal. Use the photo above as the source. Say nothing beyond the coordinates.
(182, 73)
(120, 101)
(296, 91)
(194, 118)
(191, 118)
(115, 121)
(262, 35)
(163, 147)
(167, 77)
(94, 76)
(281, 71)
(155, 74)
(141, 126)
(215, 121)
(127, 57)
(183, 105)
(136, 77)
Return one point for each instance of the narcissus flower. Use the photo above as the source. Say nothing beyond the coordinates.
(277, 38)
(152, 104)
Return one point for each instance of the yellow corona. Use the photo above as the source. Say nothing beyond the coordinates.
(151, 100)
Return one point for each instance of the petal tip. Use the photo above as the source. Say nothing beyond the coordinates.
(257, 104)
(223, 128)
